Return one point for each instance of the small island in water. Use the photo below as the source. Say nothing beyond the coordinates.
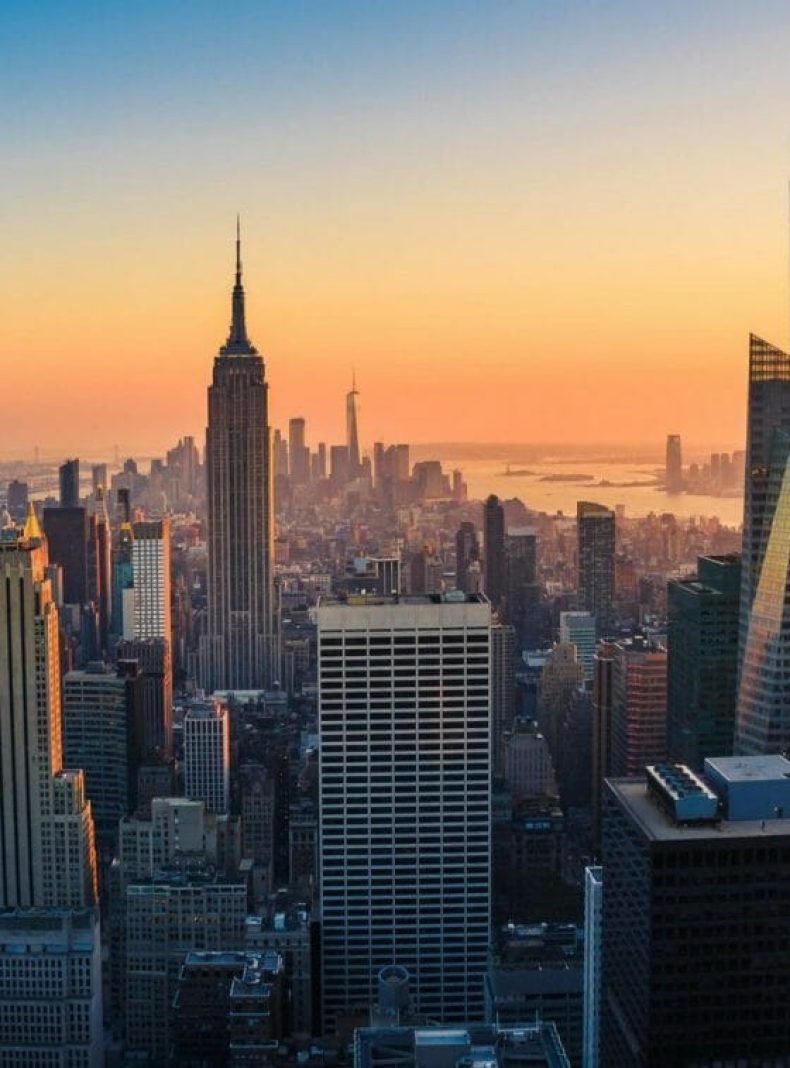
(567, 478)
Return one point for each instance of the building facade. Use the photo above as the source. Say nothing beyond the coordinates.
(50, 988)
(240, 650)
(207, 755)
(696, 916)
(405, 702)
(43, 813)
(702, 664)
(763, 706)
(595, 530)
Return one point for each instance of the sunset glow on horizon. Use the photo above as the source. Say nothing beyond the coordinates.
(516, 222)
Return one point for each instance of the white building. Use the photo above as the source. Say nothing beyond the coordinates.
(151, 578)
(578, 628)
(405, 771)
(207, 755)
(50, 988)
(593, 905)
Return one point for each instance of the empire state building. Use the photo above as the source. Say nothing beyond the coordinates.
(240, 649)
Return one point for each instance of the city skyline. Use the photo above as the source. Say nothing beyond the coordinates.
(401, 218)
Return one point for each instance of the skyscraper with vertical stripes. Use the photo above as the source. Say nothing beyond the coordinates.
(763, 707)
(239, 651)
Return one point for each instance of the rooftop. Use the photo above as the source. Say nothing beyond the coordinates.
(658, 825)
(469, 1045)
(736, 769)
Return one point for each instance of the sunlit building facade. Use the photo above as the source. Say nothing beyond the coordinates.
(763, 708)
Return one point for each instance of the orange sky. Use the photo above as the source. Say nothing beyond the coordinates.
(502, 256)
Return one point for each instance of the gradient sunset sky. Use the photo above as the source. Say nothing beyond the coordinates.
(532, 221)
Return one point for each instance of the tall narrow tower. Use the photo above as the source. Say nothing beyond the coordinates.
(763, 712)
(352, 433)
(239, 652)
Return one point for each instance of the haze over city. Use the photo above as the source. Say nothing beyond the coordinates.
(395, 534)
(494, 201)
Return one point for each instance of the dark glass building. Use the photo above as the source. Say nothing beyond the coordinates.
(69, 479)
(696, 916)
(596, 540)
(702, 668)
(763, 707)
(495, 566)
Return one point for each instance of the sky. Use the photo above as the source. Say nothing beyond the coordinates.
(515, 221)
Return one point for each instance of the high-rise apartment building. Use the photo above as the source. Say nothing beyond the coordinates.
(639, 705)
(207, 755)
(240, 650)
(702, 665)
(44, 818)
(50, 988)
(595, 529)
(69, 480)
(494, 561)
(404, 717)
(763, 705)
(696, 916)
(151, 578)
(673, 474)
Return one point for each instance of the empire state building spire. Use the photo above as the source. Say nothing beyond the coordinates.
(238, 344)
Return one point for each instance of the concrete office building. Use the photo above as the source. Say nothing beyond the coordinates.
(207, 755)
(50, 988)
(578, 628)
(405, 698)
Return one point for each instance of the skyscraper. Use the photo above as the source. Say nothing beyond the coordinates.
(467, 552)
(102, 734)
(494, 562)
(207, 755)
(702, 665)
(639, 705)
(69, 479)
(696, 916)
(151, 577)
(578, 628)
(298, 452)
(405, 699)
(44, 820)
(239, 651)
(352, 433)
(763, 708)
(596, 540)
(673, 476)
